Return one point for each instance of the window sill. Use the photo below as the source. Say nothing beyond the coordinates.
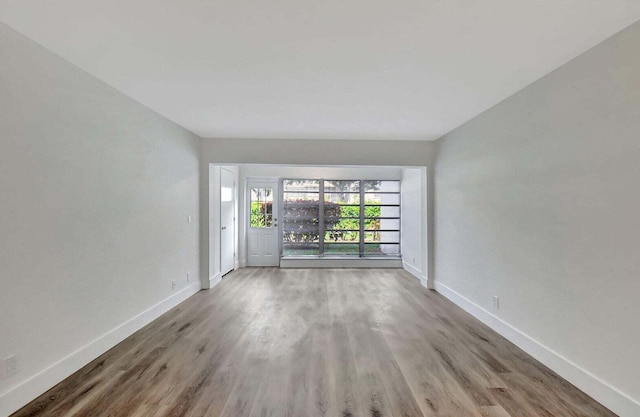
(340, 262)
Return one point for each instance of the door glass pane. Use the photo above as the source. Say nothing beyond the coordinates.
(261, 207)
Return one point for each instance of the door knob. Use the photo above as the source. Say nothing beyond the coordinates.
(224, 227)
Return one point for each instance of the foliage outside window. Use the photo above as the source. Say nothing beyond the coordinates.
(346, 218)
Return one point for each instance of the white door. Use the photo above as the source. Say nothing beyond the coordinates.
(262, 224)
(227, 221)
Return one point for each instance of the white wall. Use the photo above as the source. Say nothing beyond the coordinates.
(96, 190)
(318, 152)
(327, 172)
(537, 202)
(414, 228)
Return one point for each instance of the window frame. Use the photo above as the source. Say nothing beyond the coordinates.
(362, 231)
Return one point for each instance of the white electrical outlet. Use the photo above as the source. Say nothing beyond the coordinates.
(10, 365)
(189, 219)
(173, 284)
(496, 302)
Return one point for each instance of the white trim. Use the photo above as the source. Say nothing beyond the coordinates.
(236, 265)
(215, 280)
(235, 219)
(609, 396)
(416, 273)
(25, 392)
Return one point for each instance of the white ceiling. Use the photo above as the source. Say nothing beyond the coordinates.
(332, 69)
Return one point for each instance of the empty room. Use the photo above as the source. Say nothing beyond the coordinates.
(340, 208)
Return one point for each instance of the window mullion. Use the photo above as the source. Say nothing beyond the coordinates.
(321, 218)
(361, 218)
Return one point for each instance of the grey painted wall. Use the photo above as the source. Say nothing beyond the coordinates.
(96, 190)
(538, 202)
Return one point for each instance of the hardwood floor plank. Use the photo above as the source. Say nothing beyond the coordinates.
(270, 342)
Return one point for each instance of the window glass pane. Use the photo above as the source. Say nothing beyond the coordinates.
(372, 224)
(261, 207)
(388, 237)
(372, 211)
(300, 249)
(300, 230)
(341, 236)
(301, 185)
(290, 196)
(382, 211)
(331, 223)
(382, 186)
(342, 198)
(336, 210)
(301, 211)
(342, 248)
(382, 224)
(332, 186)
(378, 198)
(379, 249)
(303, 230)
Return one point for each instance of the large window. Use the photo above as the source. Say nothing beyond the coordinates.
(340, 218)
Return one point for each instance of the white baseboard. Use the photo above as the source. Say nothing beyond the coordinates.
(26, 391)
(214, 280)
(416, 273)
(609, 396)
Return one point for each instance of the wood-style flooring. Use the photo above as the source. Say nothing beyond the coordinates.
(269, 342)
